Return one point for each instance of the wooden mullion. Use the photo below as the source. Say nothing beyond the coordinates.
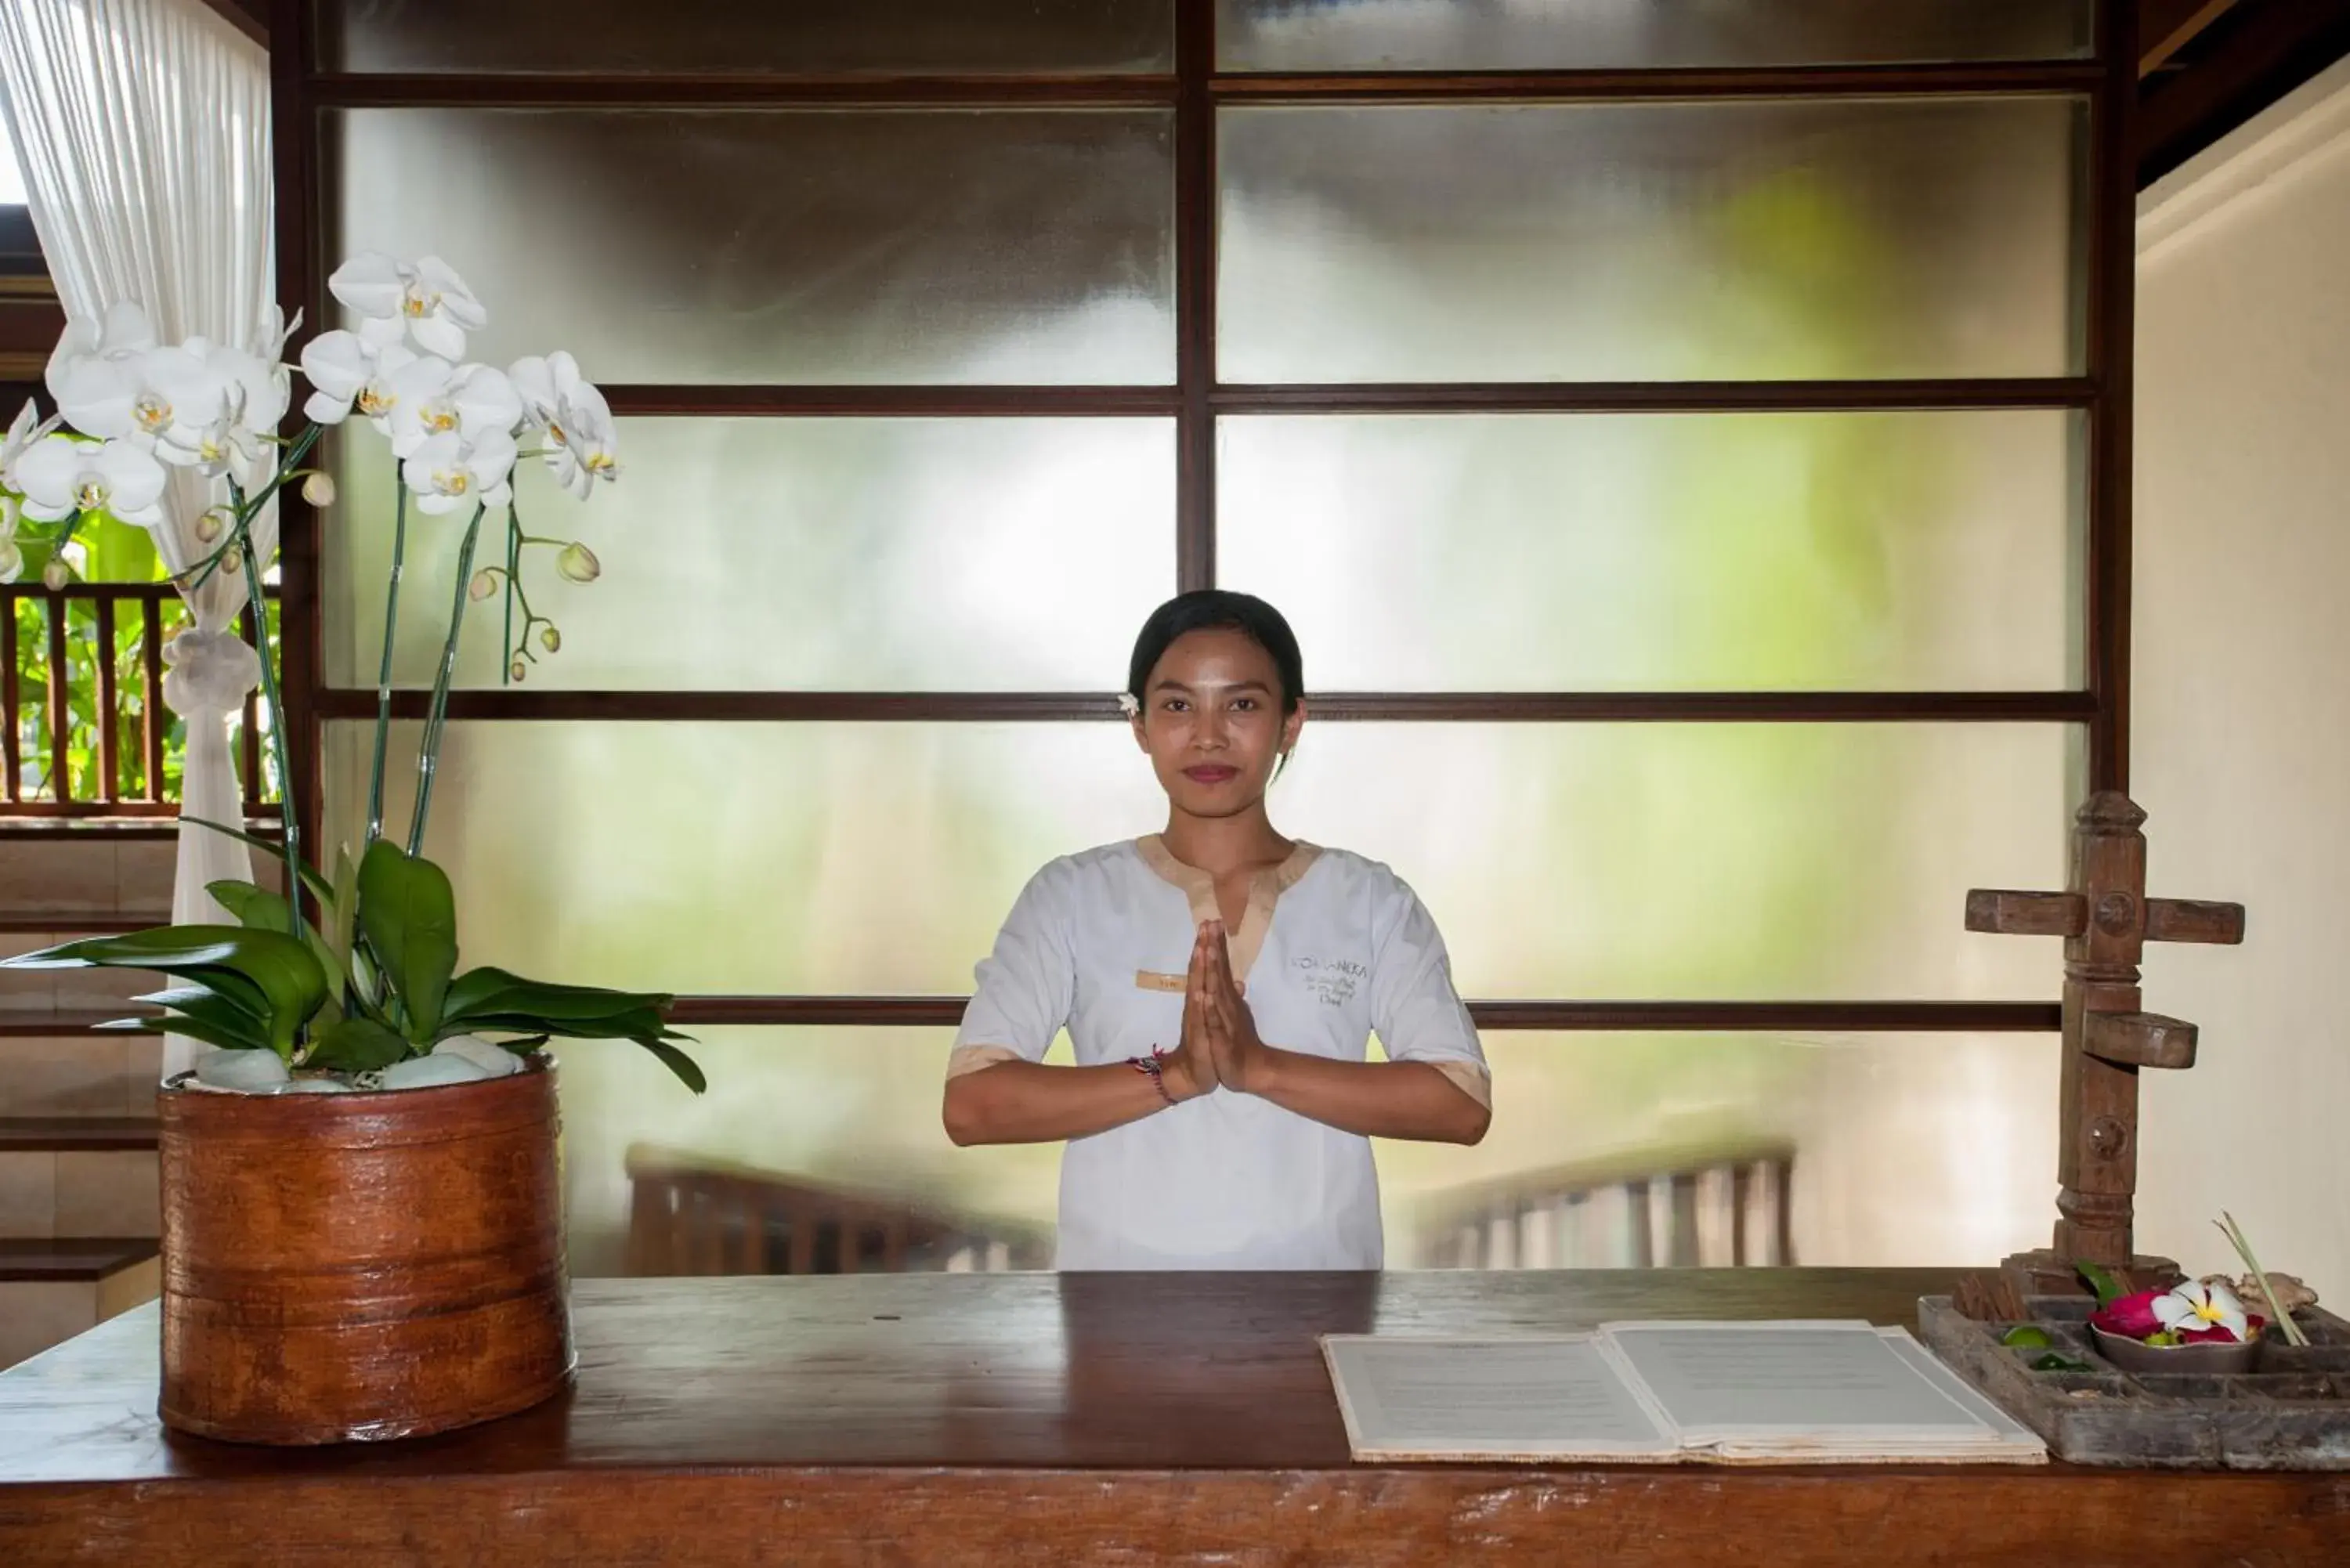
(740, 90)
(1196, 398)
(60, 710)
(703, 401)
(1969, 79)
(109, 720)
(296, 131)
(1659, 397)
(12, 773)
(249, 736)
(151, 723)
(2109, 328)
(1195, 297)
(1062, 707)
(1564, 1016)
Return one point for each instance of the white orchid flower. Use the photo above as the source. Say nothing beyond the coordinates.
(425, 300)
(583, 445)
(28, 428)
(2195, 1306)
(208, 406)
(448, 471)
(346, 372)
(124, 331)
(61, 477)
(475, 402)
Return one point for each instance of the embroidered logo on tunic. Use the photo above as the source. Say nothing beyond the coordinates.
(1334, 980)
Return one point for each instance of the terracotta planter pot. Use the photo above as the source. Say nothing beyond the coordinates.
(342, 1268)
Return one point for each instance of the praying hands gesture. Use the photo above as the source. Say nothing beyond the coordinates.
(1216, 1016)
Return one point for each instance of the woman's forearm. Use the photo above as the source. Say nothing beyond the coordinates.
(1378, 1099)
(1028, 1102)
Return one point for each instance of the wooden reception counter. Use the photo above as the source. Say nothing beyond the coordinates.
(963, 1418)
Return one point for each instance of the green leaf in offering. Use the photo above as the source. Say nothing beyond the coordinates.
(2051, 1362)
(410, 916)
(2109, 1289)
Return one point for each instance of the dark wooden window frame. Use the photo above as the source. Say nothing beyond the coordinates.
(1193, 92)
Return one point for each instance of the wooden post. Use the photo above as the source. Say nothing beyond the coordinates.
(2105, 919)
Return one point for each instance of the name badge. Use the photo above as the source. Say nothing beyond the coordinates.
(1147, 979)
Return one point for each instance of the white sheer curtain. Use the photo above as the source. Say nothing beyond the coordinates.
(143, 129)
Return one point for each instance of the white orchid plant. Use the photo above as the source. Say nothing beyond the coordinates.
(372, 983)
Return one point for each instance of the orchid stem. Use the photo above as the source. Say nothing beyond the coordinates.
(383, 675)
(289, 842)
(429, 757)
(514, 554)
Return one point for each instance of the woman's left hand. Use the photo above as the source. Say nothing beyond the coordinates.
(1232, 1028)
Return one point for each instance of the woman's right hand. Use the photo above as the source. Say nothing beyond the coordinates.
(1190, 1070)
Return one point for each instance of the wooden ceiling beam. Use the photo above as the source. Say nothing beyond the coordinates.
(2167, 27)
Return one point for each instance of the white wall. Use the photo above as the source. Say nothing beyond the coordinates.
(2241, 755)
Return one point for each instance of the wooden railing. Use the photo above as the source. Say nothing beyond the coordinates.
(84, 730)
(1733, 1211)
(692, 1215)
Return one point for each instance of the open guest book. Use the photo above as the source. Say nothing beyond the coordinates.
(1665, 1393)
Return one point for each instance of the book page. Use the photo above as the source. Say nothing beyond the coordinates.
(1798, 1381)
(1425, 1398)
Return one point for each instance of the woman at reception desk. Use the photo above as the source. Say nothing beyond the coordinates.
(1220, 984)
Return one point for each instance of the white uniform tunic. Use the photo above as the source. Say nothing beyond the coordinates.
(1332, 948)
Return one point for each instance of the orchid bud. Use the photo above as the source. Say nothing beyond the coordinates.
(211, 525)
(11, 562)
(551, 640)
(8, 515)
(517, 669)
(578, 564)
(318, 490)
(484, 584)
(233, 561)
(55, 576)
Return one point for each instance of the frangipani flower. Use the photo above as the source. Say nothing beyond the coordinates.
(583, 446)
(1129, 704)
(425, 300)
(2195, 1310)
(448, 471)
(475, 401)
(61, 477)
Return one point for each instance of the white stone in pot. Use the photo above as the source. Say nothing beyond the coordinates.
(491, 1058)
(317, 1086)
(428, 1072)
(246, 1072)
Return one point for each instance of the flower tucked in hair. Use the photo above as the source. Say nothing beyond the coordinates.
(1128, 704)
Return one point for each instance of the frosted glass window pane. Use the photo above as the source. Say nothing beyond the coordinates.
(844, 554)
(1695, 241)
(1887, 551)
(1559, 35)
(787, 246)
(1905, 1149)
(1578, 860)
(802, 35)
(737, 858)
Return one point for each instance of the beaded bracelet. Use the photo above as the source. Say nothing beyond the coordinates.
(1150, 1067)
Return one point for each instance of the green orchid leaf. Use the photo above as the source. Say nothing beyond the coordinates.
(259, 909)
(410, 916)
(266, 973)
(357, 1045)
(628, 1025)
(214, 1012)
(195, 1029)
(2109, 1289)
(311, 878)
(678, 1061)
(481, 993)
(342, 910)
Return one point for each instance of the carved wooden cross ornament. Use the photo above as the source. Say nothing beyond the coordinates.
(2105, 919)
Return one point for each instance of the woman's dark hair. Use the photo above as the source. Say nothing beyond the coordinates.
(1204, 609)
